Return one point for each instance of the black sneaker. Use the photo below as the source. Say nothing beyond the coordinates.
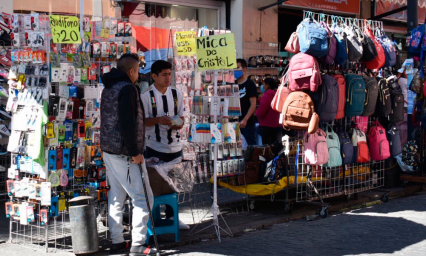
(121, 246)
(142, 250)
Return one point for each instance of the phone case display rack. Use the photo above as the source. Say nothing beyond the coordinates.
(38, 204)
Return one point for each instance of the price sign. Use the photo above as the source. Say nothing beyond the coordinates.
(216, 52)
(65, 29)
(185, 43)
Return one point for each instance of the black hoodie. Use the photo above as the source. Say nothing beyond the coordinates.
(127, 111)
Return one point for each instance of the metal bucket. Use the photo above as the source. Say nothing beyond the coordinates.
(84, 229)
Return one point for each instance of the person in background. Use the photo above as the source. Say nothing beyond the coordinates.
(270, 128)
(248, 96)
(162, 103)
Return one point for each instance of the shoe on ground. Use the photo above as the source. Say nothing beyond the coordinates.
(182, 226)
(120, 246)
(142, 250)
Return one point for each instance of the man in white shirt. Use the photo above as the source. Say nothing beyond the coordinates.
(162, 104)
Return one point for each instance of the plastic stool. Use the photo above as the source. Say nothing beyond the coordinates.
(165, 226)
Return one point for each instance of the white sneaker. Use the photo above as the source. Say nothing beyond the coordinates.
(182, 226)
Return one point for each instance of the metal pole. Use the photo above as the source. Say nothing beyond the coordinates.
(215, 206)
(412, 15)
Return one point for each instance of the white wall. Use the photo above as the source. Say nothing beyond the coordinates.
(6, 6)
(237, 25)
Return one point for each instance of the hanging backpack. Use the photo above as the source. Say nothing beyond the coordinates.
(359, 142)
(384, 102)
(361, 122)
(397, 101)
(355, 95)
(378, 142)
(312, 38)
(417, 34)
(277, 102)
(388, 47)
(304, 73)
(326, 99)
(332, 46)
(369, 51)
(354, 44)
(410, 155)
(293, 43)
(316, 151)
(379, 60)
(342, 50)
(394, 139)
(416, 83)
(299, 113)
(370, 96)
(333, 145)
(341, 83)
(346, 147)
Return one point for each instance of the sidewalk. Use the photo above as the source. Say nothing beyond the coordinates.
(264, 215)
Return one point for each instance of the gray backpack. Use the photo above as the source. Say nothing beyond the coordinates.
(394, 139)
(372, 92)
(326, 99)
(354, 43)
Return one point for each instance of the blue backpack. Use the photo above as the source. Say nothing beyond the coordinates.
(326, 99)
(415, 46)
(333, 145)
(342, 47)
(346, 146)
(355, 95)
(312, 38)
(388, 47)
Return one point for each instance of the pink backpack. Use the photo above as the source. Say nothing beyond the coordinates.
(378, 143)
(293, 43)
(277, 102)
(332, 46)
(316, 150)
(361, 122)
(304, 73)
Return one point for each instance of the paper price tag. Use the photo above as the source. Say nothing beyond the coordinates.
(65, 29)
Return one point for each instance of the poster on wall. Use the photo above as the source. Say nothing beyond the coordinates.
(216, 52)
(337, 6)
(387, 6)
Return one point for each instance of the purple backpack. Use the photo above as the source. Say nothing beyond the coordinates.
(332, 41)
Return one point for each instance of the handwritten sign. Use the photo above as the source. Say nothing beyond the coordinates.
(216, 52)
(65, 29)
(185, 43)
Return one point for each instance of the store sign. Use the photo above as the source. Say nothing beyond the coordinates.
(216, 52)
(65, 29)
(185, 43)
(387, 6)
(338, 6)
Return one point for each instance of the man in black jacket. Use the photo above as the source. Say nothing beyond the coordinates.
(122, 143)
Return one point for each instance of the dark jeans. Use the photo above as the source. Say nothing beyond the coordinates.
(270, 135)
(249, 133)
(165, 157)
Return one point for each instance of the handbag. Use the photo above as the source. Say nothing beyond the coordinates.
(262, 151)
(251, 174)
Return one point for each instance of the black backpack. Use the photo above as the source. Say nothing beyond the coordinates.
(346, 147)
(394, 139)
(397, 99)
(384, 102)
(369, 51)
(371, 96)
(326, 99)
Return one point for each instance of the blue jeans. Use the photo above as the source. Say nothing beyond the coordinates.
(249, 133)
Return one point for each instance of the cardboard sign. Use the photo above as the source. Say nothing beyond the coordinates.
(185, 43)
(216, 52)
(65, 29)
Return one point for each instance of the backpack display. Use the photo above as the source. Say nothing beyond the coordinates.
(388, 47)
(355, 95)
(378, 142)
(369, 51)
(359, 142)
(326, 99)
(394, 139)
(316, 150)
(304, 73)
(342, 50)
(346, 147)
(379, 60)
(370, 96)
(397, 101)
(415, 46)
(312, 38)
(341, 83)
(332, 46)
(280, 96)
(299, 113)
(361, 122)
(293, 43)
(384, 102)
(333, 145)
(354, 44)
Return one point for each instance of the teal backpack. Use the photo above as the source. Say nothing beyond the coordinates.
(355, 95)
(333, 145)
